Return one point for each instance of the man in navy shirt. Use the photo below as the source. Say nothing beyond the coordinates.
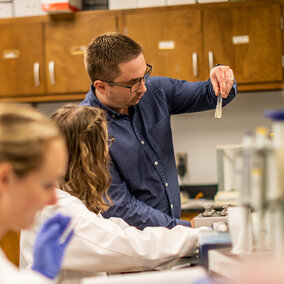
(145, 190)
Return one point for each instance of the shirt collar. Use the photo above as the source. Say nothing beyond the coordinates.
(95, 102)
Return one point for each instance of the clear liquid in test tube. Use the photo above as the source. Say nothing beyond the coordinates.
(218, 110)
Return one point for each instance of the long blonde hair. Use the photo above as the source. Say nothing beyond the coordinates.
(87, 177)
(24, 135)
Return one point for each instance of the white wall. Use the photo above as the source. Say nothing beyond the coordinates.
(49, 108)
(197, 134)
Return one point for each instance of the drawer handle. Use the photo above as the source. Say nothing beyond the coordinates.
(51, 72)
(11, 54)
(194, 64)
(36, 74)
(211, 60)
(78, 50)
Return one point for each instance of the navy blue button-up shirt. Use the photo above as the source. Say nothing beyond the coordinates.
(145, 189)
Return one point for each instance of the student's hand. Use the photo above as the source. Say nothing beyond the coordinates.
(49, 249)
(222, 79)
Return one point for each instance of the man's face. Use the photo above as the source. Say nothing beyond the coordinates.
(119, 97)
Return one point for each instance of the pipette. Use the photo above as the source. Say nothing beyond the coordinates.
(218, 110)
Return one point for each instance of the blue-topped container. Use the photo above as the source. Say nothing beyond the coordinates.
(278, 126)
(276, 115)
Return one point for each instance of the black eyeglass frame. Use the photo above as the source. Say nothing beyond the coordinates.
(148, 73)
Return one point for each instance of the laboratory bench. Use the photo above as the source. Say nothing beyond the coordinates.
(195, 197)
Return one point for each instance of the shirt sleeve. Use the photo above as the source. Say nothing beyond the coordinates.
(101, 244)
(111, 245)
(185, 97)
(134, 211)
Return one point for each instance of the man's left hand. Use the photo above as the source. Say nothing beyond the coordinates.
(222, 79)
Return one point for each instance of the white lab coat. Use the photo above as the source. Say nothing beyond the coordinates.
(10, 274)
(108, 245)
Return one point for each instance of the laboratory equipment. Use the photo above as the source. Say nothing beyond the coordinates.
(276, 191)
(247, 175)
(181, 276)
(228, 172)
(209, 240)
(255, 169)
(210, 216)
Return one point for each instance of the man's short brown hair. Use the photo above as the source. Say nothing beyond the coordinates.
(106, 51)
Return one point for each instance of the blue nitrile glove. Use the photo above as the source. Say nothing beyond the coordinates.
(49, 250)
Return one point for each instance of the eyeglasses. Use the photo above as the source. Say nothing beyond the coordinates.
(133, 88)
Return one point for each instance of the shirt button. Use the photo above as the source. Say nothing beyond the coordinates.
(113, 115)
(166, 184)
(142, 141)
(172, 206)
(156, 163)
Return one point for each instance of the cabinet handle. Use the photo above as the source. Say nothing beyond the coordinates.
(210, 58)
(125, 31)
(51, 72)
(36, 74)
(194, 64)
(78, 50)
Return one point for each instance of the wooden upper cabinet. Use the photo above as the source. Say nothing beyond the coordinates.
(171, 39)
(42, 58)
(248, 38)
(67, 37)
(21, 59)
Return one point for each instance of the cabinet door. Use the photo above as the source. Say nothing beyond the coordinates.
(248, 38)
(21, 60)
(171, 39)
(10, 244)
(66, 39)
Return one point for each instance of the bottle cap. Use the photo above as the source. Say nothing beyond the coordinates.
(275, 114)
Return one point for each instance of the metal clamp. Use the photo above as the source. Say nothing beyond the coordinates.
(208, 210)
(224, 211)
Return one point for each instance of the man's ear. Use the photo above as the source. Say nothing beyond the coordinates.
(6, 172)
(101, 86)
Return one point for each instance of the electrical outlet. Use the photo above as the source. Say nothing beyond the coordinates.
(181, 162)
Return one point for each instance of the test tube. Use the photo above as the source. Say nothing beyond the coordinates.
(70, 227)
(218, 110)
